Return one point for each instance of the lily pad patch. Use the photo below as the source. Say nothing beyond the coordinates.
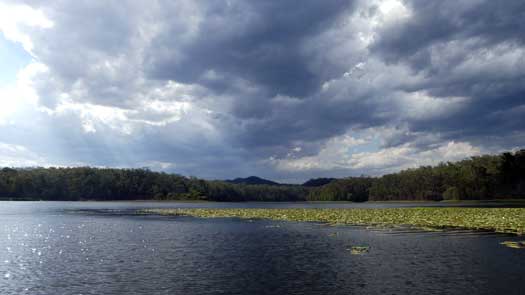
(514, 244)
(358, 250)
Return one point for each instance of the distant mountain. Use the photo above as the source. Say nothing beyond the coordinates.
(253, 180)
(318, 182)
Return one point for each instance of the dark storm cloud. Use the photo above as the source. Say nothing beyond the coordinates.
(434, 22)
(85, 36)
(315, 119)
(464, 49)
(259, 41)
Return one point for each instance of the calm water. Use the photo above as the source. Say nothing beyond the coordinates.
(51, 248)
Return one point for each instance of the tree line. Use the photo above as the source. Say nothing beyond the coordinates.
(477, 178)
(482, 177)
(85, 183)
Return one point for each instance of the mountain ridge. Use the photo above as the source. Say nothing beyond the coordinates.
(252, 180)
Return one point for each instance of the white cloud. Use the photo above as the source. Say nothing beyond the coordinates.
(420, 105)
(334, 154)
(14, 19)
(405, 156)
(126, 121)
(19, 100)
(338, 153)
(392, 11)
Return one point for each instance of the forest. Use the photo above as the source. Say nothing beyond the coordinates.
(478, 178)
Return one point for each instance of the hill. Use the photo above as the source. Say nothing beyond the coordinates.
(315, 182)
(253, 180)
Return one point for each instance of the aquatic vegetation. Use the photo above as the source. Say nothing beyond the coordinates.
(503, 220)
(515, 245)
(359, 250)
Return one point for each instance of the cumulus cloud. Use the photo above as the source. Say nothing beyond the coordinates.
(14, 17)
(406, 156)
(335, 154)
(283, 89)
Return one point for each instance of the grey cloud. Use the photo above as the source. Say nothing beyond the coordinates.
(257, 41)
(460, 48)
(434, 22)
(91, 51)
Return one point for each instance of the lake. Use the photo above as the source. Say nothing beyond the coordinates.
(103, 248)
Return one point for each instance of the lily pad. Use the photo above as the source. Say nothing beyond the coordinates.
(514, 244)
(359, 250)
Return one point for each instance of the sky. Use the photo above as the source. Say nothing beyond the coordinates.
(286, 90)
